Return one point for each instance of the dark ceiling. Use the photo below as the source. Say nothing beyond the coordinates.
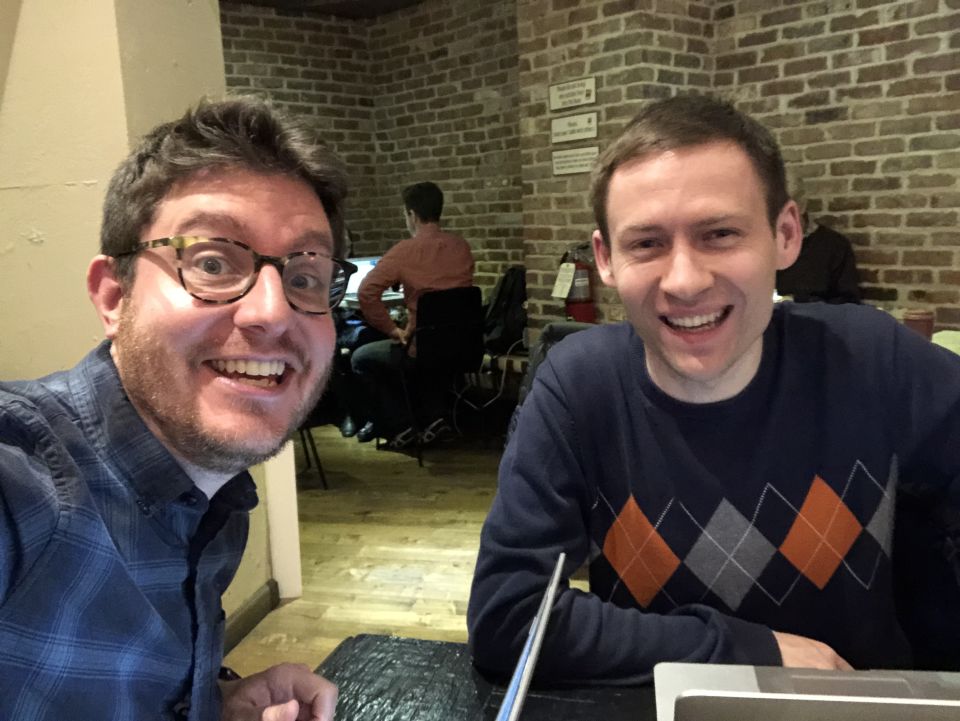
(342, 8)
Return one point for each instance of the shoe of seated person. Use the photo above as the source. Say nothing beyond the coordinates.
(403, 439)
(348, 429)
(367, 433)
(438, 430)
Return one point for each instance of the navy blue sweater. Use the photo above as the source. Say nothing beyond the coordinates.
(708, 526)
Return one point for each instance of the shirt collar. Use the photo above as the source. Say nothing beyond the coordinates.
(131, 452)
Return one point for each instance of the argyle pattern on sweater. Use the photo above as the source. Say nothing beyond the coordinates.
(670, 555)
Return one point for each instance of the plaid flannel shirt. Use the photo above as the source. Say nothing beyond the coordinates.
(112, 563)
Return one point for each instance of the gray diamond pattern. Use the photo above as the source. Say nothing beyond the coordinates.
(731, 544)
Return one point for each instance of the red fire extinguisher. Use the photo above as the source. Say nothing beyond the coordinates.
(580, 306)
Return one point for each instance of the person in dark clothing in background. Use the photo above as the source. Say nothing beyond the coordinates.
(826, 268)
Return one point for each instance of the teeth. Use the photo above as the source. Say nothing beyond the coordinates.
(265, 369)
(695, 321)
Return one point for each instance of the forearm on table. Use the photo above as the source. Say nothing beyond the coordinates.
(589, 639)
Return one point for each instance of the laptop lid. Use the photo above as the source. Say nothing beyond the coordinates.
(719, 692)
(364, 266)
(522, 673)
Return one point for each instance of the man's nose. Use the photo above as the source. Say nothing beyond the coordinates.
(686, 274)
(266, 304)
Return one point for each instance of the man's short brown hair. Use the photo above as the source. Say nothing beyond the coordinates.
(684, 121)
(240, 132)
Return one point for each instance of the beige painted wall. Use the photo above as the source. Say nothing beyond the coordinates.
(62, 129)
(79, 83)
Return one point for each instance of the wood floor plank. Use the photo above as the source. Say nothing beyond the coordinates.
(389, 548)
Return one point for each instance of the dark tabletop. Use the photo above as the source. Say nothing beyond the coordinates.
(385, 678)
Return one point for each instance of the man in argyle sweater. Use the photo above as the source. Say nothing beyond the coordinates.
(729, 470)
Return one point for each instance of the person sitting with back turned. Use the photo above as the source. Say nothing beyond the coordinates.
(727, 468)
(431, 259)
(123, 481)
(826, 268)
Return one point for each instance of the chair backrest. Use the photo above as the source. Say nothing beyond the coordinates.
(449, 332)
(506, 314)
(551, 334)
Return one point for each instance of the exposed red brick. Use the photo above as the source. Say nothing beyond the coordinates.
(906, 277)
(927, 257)
(883, 35)
(930, 220)
(732, 61)
(844, 23)
(936, 297)
(876, 220)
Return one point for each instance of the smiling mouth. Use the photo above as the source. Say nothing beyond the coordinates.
(262, 374)
(697, 323)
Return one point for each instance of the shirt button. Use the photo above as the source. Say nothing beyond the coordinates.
(189, 499)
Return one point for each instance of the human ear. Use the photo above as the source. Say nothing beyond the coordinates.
(789, 235)
(106, 293)
(601, 255)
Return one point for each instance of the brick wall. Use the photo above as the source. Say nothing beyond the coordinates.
(315, 67)
(426, 93)
(865, 101)
(864, 96)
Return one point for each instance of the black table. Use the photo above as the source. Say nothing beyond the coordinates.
(385, 678)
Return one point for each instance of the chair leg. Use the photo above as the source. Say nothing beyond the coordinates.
(310, 447)
(306, 449)
(413, 416)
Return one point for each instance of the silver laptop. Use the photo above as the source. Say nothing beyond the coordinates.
(522, 673)
(719, 692)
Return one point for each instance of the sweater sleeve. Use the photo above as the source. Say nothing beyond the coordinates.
(925, 423)
(541, 508)
(925, 414)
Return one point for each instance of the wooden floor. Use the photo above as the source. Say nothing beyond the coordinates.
(389, 548)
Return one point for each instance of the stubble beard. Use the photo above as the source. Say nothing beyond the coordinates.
(141, 360)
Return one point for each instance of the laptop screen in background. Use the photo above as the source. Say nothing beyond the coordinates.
(364, 266)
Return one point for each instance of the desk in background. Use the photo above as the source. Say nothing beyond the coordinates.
(949, 339)
(391, 299)
(385, 678)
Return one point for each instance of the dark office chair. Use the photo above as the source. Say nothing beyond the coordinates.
(551, 334)
(447, 343)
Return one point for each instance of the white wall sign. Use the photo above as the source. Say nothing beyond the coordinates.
(573, 93)
(576, 160)
(561, 286)
(573, 127)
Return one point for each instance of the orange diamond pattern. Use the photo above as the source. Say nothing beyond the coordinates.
(638, 554)
(820, 537)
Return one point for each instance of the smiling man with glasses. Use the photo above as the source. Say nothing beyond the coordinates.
(123, 481)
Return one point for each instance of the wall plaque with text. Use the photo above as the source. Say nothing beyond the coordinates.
(573, 93)
(573, 127)
(575, 160)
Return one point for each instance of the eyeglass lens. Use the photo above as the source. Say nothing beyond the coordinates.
(223, 271)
